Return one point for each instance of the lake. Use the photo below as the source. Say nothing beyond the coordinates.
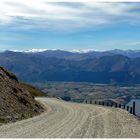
(137, 102)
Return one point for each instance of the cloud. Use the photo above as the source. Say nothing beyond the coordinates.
(30, 14)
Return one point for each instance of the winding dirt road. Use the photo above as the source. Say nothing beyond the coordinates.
(72, 120)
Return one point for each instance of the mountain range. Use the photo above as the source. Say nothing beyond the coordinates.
(115, 66)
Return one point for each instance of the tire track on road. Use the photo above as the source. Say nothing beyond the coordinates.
(73, 120)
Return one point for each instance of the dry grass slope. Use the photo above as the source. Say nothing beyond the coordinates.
(33, 90)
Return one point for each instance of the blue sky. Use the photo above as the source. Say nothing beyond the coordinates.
(26, 25)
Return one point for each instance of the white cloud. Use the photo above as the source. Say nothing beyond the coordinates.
(28, 14)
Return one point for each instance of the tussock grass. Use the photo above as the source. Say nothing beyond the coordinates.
(33, 90)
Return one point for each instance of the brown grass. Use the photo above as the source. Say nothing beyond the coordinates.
(33, 90)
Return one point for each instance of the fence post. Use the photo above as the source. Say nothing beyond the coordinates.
(123, 106)
(134, 108)
(90, 101)
(131, 110)
(103, 103)
(120, 105)
(107, 104)
(127, 108)
(95, 102)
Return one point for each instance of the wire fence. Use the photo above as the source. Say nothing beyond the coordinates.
(130, 109)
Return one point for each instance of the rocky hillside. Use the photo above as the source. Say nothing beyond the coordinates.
(16, 103)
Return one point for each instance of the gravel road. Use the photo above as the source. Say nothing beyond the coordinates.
(72, 120)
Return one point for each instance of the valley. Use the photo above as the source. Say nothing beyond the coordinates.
(80, 91)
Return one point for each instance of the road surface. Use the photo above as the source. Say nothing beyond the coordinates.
(72, 120)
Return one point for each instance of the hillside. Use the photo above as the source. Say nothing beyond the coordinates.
(33, 90)
(37, 67)
(16, 103)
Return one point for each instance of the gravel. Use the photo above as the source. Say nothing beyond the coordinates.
(73, 120)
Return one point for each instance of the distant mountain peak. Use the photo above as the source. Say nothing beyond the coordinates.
(80, 51)
(31, 50)
(43, 50)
